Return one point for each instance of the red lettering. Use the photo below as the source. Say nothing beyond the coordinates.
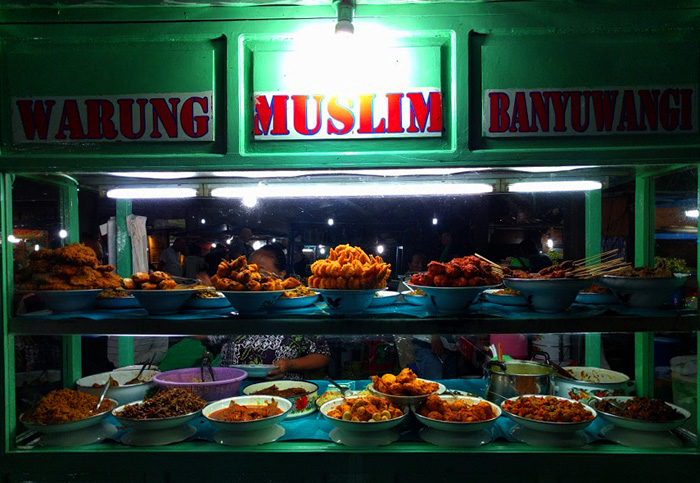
(686, 109)
(604, 103)
(649, 109)
(266, 114)
(669, 115)
(558, 101)
(99, 119)
(126, 119)
(342, 114)
(167, 117)
(577, 107)
(540, 112)
(629, 112)
(499, 119)
(367, 116)
(301, 115)
(195, 126)
(394, 120)
(520, 117)
(70, 119)
(36, 118)
(421, 110)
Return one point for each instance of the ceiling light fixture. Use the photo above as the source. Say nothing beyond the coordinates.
(553, 186)
(151, 193)
(156, 174)
(345, 10)
(368, 190)
(692, 213)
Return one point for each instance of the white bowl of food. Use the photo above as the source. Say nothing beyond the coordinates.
(416, 297)
(302, 394)
(206, 300)
(162, 302)
(517, 407)
(295, 302)
(347, 301)
(407, 400)
(125, 388)
(252, 302)
(76, 425)
(255, 370)
(477, 413)
(641, 414)
(230, 414)
(384, 298)
(152, 424)
(548, 295)
(340, 413)
(451, 299)
(643, 292)
(503, 296)
(592, 381)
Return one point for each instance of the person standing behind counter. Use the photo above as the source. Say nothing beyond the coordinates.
(294, 355)
(170, 258)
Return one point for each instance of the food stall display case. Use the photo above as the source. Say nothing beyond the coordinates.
(235, 97)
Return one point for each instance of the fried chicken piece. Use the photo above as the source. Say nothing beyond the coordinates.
(290, 282)
(105, 268)
(149, 286)
(65, 270)
(108, 280)
(223, 270)
(128, 284)
(158, 276)
(76, 253)
(167, 284)
(141, 277)
(239, 263)
(405, 376)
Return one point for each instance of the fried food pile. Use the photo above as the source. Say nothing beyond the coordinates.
(239, 276)
(458, 411)
(405, 384)
(550, 409)
(72, 267)
(370, 409)
(459, 272)
(238, 412)
(349, 267)
(150, 281)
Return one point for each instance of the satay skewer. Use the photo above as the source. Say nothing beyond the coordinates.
(593, 257)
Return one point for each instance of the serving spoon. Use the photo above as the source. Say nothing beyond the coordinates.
(102, 396)
(342, 389)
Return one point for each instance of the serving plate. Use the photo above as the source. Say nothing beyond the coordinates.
(492, 296)
(302, 405)
(384, 298)
(548, 426)
(638, 425)
(407, 400)
(161, 302)
(458, 426)
(295, 302)
(451, 299)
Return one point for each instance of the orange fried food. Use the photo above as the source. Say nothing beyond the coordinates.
(238, 275)
(459, 272)
(405, 384)
(548, 409)
(167, 284)
(75, 253)
(365, 409)
(349, 267)
(459, 410)
(157, 277)
(150, 281)
(239, 412)
(128, 284)
(140, 277)
(149, 286)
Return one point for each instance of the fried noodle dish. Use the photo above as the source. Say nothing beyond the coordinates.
(405, 384)
(459, 410)
(65, 405)
(459, 272)
(365, 409)
(239, 412)
(240, 276)
(349, 268)
(550, 409)
(72, 267)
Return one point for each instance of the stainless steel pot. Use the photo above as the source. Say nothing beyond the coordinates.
(513, 378)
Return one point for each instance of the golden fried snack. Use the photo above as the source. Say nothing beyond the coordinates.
(157, 277)
(128, 284)
(405, 384)
(349, 267)
(149, 286)
(238, 276)
(168, 284)
(459, 411)
(140, 277)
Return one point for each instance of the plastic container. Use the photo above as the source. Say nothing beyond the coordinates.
(227, 383)
(684, 371)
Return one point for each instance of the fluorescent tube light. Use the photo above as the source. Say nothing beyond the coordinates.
(692, 213)
(156, 174)
(551, 186)
(550, 169)
(359, 172)
(151, 193)
(329, 190)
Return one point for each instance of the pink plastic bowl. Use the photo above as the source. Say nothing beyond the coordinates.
(227, 384)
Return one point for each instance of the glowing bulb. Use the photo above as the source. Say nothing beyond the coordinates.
(249, 201)
(213, 245)
(434, 221)
(330, 221)
(321, 250)
(274, 240)
(692, 213)
(13, 239)
(37, 248)
(202, 221)
(380, 249)
(228, 242)
(62, 233)
(552, 186)
(550, 243)
(257, 244)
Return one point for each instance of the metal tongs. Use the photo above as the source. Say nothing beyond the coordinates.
(206, 362)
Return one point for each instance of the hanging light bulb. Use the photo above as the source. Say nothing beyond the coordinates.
(345, 10)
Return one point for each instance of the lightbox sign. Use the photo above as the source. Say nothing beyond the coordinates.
(590, 112)
(127, 118)
(377, 115)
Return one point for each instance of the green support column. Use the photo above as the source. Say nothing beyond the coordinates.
(7, 387)
(126, 344)
(593, 244)
(644, 212)
(72, 359)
